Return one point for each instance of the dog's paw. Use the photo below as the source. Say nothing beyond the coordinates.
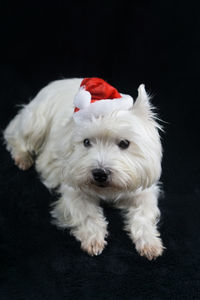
(23, 162)
(94, 247)
(151, 250)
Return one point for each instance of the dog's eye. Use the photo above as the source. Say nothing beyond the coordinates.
(87, 143)
(123, 144)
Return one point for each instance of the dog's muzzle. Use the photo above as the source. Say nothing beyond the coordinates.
(100, 176)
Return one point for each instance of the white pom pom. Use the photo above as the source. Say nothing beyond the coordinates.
(82, 99)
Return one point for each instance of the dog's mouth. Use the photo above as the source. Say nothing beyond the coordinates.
(100, 184)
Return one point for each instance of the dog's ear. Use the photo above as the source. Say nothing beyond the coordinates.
(142, 105)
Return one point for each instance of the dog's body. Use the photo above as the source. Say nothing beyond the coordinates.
(68, 154)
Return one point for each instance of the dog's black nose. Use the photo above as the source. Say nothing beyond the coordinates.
(100, 175)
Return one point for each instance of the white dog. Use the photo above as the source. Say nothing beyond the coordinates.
(104, 150)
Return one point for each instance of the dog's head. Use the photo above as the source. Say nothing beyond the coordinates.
(121, 150)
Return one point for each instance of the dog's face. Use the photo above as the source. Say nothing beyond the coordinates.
(120, 151)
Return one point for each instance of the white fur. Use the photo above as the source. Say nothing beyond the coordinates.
(45, 128)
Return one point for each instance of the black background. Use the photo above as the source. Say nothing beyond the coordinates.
(126, 43)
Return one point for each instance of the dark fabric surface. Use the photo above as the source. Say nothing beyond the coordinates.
(127, 43)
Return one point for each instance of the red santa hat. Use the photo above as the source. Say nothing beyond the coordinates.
(97, 98)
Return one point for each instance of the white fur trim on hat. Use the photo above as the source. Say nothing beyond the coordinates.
(100, 107)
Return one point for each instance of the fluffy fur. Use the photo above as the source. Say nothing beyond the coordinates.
(45, 130)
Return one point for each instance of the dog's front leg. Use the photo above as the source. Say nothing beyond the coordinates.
(84, 217)
(141, 220)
